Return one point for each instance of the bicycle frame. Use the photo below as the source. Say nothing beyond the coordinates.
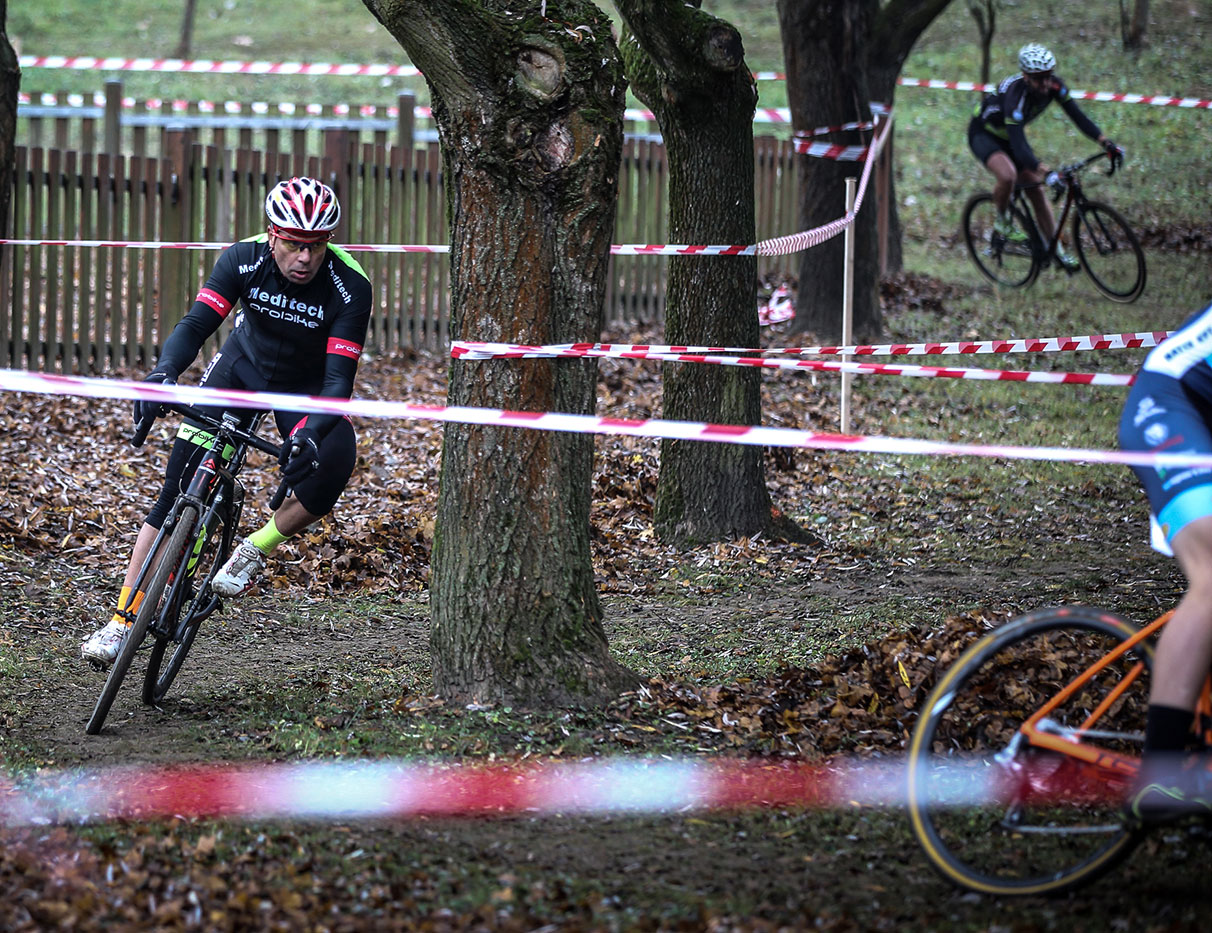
(212, 489)
(1073, 194)
(1070, 744)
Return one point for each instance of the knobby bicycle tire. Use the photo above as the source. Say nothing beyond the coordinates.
(177, 542)
(191, 607)
(1062, 827)
(1109, 251)
(1011, 265)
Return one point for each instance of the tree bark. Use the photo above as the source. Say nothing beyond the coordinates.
(840, 56)
(10, 83)
(689, 68)
(529, 108)
(1135, 26)
(187, 29)
(984, 12)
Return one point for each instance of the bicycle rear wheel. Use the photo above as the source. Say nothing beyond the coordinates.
(1003, 261)
(999, 815)
(194, 601)
(1109, 251)
(171, 558)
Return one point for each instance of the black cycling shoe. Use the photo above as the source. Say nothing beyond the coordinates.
(1170, 790)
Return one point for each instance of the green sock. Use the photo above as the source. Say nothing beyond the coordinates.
(268, 537)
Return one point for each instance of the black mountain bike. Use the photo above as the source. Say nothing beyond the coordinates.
(195, 541)
(1106, 246)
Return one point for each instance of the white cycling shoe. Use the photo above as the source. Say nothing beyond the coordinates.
(101, 647)
(238, 575)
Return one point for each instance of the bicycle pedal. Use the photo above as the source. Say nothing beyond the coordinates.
(97, 665)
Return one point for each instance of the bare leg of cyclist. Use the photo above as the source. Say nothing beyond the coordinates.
(1184, 650)
(292, 518)
(1005, 175)
(1173, 784)
(1039, 200)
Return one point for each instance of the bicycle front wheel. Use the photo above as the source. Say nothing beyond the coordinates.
(1109, 251)
(997, 814)
(170, 559)
(192, 601)
(1005, 261)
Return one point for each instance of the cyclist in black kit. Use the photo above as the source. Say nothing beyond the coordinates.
(305, 310)
(997, 138)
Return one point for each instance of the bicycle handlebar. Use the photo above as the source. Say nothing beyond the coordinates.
(1068, 172)
(143, 428)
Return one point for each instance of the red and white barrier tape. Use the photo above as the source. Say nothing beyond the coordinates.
(1157, 100)
(802, 143)
(778, 307)
(795, 242)
(620, 249)
(287, 108)
(386, 789)
(14, 380)
(842, 366)
(468, 349)
(205, 66)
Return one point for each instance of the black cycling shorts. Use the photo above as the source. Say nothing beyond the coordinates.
(318, 493)
(983, 143)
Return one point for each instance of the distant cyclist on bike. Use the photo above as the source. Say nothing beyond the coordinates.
(1170, 410)
(305, 306)
(997, 137)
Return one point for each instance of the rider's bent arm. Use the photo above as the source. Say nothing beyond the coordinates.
(210, 309)
(1079, 118)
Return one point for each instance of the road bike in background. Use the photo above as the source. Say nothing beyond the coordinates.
(1104, 243)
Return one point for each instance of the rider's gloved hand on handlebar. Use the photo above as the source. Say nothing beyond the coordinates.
(1116, 152)
(300, 456)
(146, 409)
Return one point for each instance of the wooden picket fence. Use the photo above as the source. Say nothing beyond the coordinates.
(101, 308)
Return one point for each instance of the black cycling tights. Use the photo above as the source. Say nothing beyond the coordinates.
(318, 493)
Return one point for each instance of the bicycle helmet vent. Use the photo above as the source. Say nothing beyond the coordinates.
(1035, 59)
(302, 209)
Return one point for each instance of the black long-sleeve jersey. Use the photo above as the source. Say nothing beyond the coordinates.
(1014, 104)
(299, 338)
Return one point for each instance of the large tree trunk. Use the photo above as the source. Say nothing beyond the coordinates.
(825, 46)
(529, 112)
(689, 68)
(840, 56)
(10, 82)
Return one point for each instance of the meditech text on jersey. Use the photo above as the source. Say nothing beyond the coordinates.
(336, 280)
(279, 306)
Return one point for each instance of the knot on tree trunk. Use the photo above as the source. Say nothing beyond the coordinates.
(724, 49)
(541, 69)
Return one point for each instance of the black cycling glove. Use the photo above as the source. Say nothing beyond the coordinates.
(146, 409)
(300, 456)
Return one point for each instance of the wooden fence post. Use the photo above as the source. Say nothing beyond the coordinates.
(406, 120)
(113, 116)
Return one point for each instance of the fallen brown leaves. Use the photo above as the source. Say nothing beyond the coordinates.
(864, 701)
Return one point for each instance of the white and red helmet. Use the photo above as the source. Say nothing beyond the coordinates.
(302, 209)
